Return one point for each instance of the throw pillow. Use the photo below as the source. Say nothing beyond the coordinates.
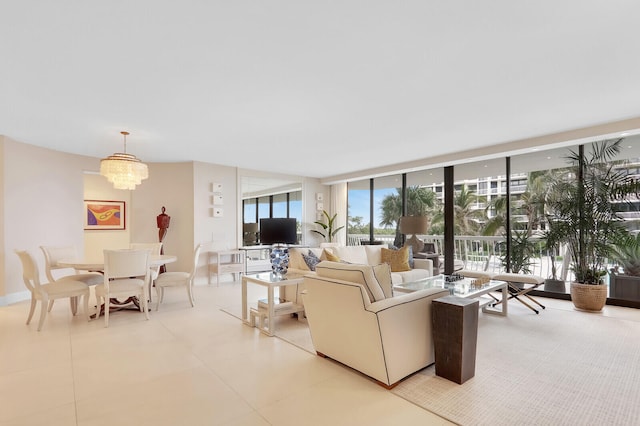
(411, 262)
(311, 260)
(397, 259)
(330, 256)
(411, 256)
(382, 272)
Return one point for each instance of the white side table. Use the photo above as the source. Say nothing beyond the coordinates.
(268, 280)
(226, 262)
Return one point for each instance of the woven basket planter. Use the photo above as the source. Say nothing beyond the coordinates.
(588, 297)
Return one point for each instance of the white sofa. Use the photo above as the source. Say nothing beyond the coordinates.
(366, 255)
(386, 339)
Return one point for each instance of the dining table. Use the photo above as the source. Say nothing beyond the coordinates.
(97, 265)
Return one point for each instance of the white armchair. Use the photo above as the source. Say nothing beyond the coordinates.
(387, 339)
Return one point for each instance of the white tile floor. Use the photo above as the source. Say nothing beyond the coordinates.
(185, 366)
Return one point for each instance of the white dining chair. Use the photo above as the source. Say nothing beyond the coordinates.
(126, 274)
(59, 289)
(53, 255)
(155, 250)
(178, 279)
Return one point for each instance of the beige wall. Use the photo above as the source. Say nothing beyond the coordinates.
(221, 232)
(169, 185)
(42, 204)
(97, 187)
(42, 195)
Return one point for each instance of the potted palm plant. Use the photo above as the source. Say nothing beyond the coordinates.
(328, 229)
(586, 219)
(552, 240)
(624, 280)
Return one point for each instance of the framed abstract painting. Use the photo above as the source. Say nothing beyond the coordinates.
(104, 215)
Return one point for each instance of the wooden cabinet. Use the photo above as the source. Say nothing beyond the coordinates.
(226, 262)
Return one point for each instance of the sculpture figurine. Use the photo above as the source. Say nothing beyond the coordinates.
(163, 220)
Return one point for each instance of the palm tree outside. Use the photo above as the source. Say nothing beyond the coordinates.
(421, 201)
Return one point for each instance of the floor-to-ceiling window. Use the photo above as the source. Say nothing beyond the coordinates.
(387, 209)
(374, 206)
(424, 197)
(250, 210)
(359, 208)
(499, 214)
(532, 182)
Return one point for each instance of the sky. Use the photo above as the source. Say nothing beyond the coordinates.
(359, 203)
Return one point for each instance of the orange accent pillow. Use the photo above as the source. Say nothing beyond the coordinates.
(397, 259)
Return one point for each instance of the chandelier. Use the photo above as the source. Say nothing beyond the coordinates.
(124, 170)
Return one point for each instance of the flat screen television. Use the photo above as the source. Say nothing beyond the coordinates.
(278, 230)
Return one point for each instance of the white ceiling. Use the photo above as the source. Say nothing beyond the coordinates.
(311, 88)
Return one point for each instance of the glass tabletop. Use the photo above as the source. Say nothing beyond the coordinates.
(274, 278)
(457, 285)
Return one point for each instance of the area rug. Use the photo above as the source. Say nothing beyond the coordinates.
(287, 328)
(557, 368)
(561, 367)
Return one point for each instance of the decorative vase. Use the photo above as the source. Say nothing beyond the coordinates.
(279, 256)
(588, 297)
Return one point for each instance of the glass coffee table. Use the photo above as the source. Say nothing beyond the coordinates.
(469, 288)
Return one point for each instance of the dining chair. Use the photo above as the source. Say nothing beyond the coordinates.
(61, 288)
(177, 279)
(126, 274)
(53, 255)
(155, 251)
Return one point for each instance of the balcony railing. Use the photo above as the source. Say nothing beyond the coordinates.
(480, 253)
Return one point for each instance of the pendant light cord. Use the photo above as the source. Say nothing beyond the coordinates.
(125, 140)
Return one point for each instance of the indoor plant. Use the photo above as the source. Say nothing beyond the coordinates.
(328, 230)
(522, 249)
(552, 240)
(581, 209)
(625, 283)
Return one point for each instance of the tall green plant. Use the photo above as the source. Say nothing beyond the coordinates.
(522, 249)
(328, 230)
(626, 253)
(584, 215)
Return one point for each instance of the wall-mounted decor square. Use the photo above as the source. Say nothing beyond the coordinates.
(106, 215)
(216, 187)
(217, 212)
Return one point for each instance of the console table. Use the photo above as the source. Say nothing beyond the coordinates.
(227, 262)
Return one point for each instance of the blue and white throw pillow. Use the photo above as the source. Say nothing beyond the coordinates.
(311, 260)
